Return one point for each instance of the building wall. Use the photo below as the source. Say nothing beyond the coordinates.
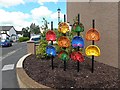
(12, 31)
(93, 0)
(106, 16)
(3, 31)
(3, 36)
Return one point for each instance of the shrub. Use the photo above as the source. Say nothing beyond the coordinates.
(22, 39)
(41, 49)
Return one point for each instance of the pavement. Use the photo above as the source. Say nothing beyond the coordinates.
(10, 56)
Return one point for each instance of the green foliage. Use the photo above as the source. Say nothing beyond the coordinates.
(75, 19)
(45, 25)
(70, 35)
(43, 35)
(58, 49)
(34, 28)
(41, 49)
(22, 39)
(58, 34)
(25, 32)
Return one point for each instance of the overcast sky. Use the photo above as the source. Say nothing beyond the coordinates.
(21, 13)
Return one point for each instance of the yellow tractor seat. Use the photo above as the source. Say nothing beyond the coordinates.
(92, 50)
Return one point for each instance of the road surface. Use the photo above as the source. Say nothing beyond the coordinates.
(10, 56)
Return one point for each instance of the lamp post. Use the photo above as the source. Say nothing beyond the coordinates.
(58, 15)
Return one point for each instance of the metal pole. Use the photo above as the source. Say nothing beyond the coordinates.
(93, 43)
(64, 18)
(64, 65)
(92, 59)
(93, 23)
(52, 44)
(58, 15)
(64, 48)
(78, 63)
(51, 25)
(52, 63)
(78, 18)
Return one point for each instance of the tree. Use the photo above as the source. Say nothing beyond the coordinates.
(45, 26)
(35, 29)
(26, 32)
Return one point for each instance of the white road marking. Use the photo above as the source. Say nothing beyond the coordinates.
(0, 58)
(8, 67)
(14, 43)
(9, 54)
(23, 42)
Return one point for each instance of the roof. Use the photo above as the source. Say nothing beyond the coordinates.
(13, 35)
(7, 34)
(6, 28)
(19, 32)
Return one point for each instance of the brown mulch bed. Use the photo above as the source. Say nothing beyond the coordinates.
(40, 70)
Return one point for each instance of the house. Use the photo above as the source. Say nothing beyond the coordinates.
(106, 15)
(19, 34)
(8, 32)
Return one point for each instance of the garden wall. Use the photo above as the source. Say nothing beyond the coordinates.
(106, 16)
(24, 81)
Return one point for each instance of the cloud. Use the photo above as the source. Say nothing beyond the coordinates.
(8, 3)
(42, 11)
(55, 15)
(43, 1)
(17, 19)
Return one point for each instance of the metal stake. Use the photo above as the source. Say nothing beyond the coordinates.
(93, 43)
(78, 63)
(52, 44)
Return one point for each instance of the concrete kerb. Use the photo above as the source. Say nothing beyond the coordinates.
(24, 80)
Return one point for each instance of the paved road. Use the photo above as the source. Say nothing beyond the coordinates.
(6, 50)
(10, 57)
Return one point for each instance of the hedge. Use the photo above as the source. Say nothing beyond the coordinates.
(22, 39)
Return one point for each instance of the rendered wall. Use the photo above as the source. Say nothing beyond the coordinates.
(106, 16)
(12, 31)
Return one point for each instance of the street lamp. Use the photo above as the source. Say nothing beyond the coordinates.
(58, 15)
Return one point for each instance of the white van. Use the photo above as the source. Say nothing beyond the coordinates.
(35, 38)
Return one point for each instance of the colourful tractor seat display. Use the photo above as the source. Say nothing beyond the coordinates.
(92, 50)
(50, 50)
(77, 56)
(63, 27)
(50, 35)
(92, 34)
(63, 56)
(77, 41)
(63, 41)
(78, 28)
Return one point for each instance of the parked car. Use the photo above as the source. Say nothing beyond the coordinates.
(11, 40)
(35, 38)
(5, 43)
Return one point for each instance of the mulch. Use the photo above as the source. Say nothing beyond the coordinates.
(40, 70)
